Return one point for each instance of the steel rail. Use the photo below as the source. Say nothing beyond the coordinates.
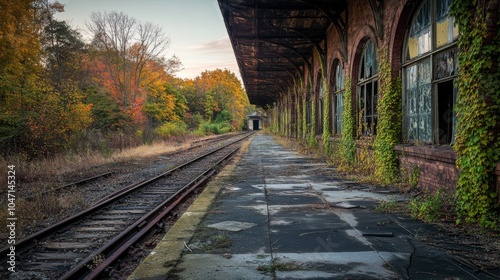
(174, 168)
(136, 232)
(77, 183)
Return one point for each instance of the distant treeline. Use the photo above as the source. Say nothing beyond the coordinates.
(61, 94)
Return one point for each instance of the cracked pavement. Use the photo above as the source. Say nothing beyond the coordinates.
(278, 216)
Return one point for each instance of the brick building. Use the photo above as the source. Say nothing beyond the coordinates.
(296, 56)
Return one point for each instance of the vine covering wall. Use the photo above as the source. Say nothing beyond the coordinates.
(326, 114)
(347, 147)
(477, 107)
(389, 108)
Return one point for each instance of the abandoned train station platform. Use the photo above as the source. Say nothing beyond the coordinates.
(275, 214)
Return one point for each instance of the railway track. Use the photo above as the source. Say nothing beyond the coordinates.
(84, 245)
(196, 146)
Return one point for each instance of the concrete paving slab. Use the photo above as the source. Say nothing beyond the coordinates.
(293, 232)
(344, 265)
(216, 267)
(232, 225)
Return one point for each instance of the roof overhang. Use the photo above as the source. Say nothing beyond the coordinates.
(273, 40)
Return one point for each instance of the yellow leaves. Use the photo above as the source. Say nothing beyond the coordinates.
(54, 119)
(222, 90)
(19, 43)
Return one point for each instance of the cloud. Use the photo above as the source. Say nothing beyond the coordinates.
(209, 55)
(213, 47)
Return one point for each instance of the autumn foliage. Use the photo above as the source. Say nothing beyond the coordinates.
(59, 93)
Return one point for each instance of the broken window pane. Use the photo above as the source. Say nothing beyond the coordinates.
(338, 99)
(339, 111)
(367, 98)
(419, 41)
(369, 65)
(418, 102)
(339, 78)
(445, 64)
(429, 96)
(442, 9)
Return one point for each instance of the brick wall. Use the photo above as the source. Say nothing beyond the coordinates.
(436, 165)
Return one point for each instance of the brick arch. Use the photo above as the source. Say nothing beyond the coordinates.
(366, 33)
(403, 17)
(331, 61)
(318, 113)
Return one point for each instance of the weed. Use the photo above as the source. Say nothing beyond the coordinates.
(96, 261)
(280, 266)
(431, 207)
(389, 207)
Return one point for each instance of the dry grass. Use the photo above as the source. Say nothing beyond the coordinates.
(34, 177)
(30, 171)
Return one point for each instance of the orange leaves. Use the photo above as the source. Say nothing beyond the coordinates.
(129, 86)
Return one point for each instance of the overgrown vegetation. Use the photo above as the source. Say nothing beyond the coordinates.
(278, 265)
(433, 207)
(427, 207)
(478, 113)
(347, 148)
(389, 124)
(62, 95)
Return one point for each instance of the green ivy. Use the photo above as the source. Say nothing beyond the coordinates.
(477, 107)
(298, 103)
(389, 123)
(311, 137)
(347, 147)
(326, 116)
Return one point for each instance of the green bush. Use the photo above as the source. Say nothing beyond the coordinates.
(432, 207)
(207, 128)
(173, 128)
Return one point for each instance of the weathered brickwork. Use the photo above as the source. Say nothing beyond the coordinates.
(436, 165)
(386, 24)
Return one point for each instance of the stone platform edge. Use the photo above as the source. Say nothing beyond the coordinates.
(169, 250)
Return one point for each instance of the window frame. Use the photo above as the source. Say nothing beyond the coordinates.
(320, 107)
(363, 82)
(337, 96)
(435, 51)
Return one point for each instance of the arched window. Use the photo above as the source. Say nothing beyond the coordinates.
(368, 89)
(337, 97)
(320, 105)
(430, 70)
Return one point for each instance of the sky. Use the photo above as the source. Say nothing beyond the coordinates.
(197, 33)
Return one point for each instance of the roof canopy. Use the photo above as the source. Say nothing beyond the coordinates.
(273, 40)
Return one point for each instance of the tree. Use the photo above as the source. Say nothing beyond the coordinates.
(123, 50)
(221, 90)
(62, 46)
(36, 118)
(62, 52)
(166, 105)
(19, 69)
